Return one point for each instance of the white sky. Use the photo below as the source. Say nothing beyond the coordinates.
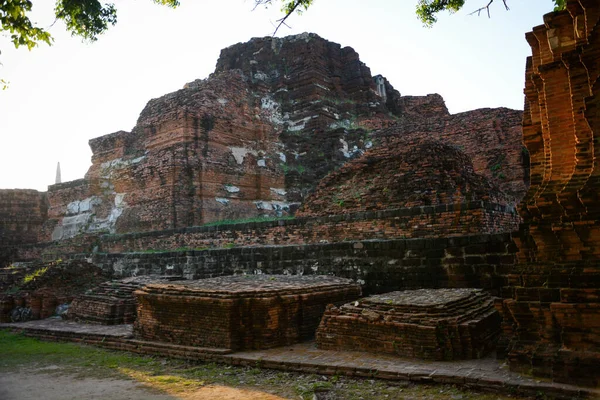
(61, 96)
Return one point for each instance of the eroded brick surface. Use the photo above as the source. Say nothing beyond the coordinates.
(552, 307)
(403, 172)
(41, 287)
(255, 138)
(435, 324)
(113, 302)
(238, 312)
(22, 214)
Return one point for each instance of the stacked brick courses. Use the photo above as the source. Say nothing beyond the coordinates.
(408, 172)
(254, 138)
(111, 303)
(239, 312)
(41, 287)
(431, 324)
(22, 215)
(552, 306)
(491, 138)
(379, 265)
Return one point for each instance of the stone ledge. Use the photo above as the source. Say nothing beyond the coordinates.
(484, 374)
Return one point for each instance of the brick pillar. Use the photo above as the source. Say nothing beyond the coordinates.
(552, 298)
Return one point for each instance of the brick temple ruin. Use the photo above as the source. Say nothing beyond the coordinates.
(429, 324)
(239, 312)
(388, 191)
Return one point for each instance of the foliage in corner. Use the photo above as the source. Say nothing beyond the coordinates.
(427, 10)
(85, 18)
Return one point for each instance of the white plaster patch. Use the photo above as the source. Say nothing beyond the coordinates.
(109, 167)
(349, 152)
(281, 192)
(231, 188)
(223, 101)
(282, 157)
(295, 126)
(263, 205)
(272, 108)
(222, 200)
(261, 163)
(261, 76)
(119, 200)
(239, 153)
(81, 218)
(321, 86)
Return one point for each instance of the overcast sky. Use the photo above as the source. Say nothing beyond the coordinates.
(61, 96)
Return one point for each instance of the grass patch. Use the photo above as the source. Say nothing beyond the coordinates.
(247, 220)
(35, 274)
(18, 352)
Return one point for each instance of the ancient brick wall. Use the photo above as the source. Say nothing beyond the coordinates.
(403, 172)
(492, 138)
(552, 308)
(22, 214)
(380, 265)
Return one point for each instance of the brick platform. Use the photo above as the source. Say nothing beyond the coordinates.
(431, 324)
(111, 303)
(239, 312)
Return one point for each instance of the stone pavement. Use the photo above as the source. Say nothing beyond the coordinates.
(486, 374)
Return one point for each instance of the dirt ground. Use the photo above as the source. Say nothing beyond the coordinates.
(47, 385)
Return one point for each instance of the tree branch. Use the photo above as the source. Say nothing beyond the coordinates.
(487, 8)
(289, 11)
(286, 16)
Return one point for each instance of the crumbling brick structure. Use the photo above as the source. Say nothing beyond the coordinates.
(552, 311)
(22, 214)
(112, 302)
(430, 324)
(239, 312)
(255, 137)
(411, 173)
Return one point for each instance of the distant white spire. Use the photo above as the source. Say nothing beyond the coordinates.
(58, 180)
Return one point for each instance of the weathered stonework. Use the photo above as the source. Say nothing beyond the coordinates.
(238, 312)
(378, 265)
(431, 324)
(402, 172)
(551, 311)
(491, 138)
(254, 139)
(41, 287)
(113, 302)
(22, 214)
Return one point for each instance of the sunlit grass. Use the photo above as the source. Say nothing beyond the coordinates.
(35, 274)
(194, 380)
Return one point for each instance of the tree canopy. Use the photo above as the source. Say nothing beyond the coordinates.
(90, 18)
(427, 10)
(85, 18)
